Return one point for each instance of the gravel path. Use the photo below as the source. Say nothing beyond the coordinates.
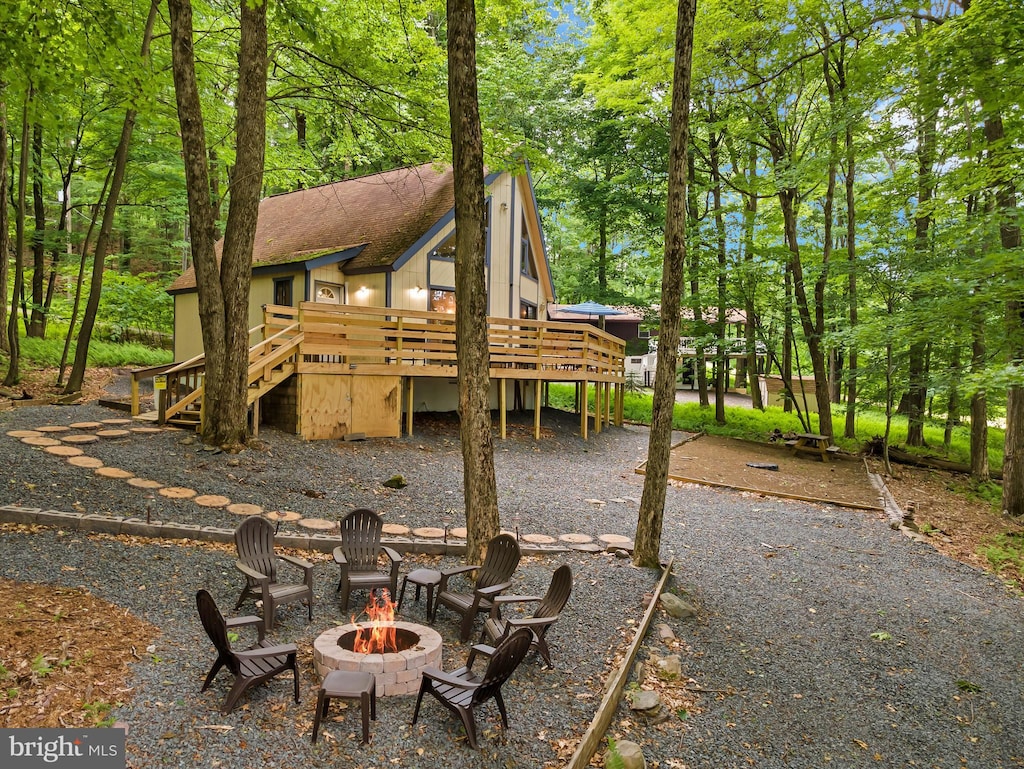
(823, 638)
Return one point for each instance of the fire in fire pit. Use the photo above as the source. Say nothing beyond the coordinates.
(395, 652)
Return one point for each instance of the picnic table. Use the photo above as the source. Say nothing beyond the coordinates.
(811, 443)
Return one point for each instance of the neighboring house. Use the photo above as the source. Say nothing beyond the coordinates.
(626, 325)
(384, 240)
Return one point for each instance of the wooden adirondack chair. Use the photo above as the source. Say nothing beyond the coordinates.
(250, 668)
(359, 553)
(497, 628)
(461, 691)
(254, 540)
(492, 578)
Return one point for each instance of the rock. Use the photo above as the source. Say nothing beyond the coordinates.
(671, 666)
(643, 701)
(638, 671)
(620, 553)
(677, 607)
(187, 441)
(631, 755)
(665, 633)
(395, 482)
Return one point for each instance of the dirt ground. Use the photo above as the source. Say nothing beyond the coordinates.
(57, 667)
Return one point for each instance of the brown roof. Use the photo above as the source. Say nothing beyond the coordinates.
(388, 212)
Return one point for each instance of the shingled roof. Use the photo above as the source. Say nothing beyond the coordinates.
(385, 213)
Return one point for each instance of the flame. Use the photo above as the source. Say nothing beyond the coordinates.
(379, 636)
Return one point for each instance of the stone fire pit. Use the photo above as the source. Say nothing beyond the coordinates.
(396, 672)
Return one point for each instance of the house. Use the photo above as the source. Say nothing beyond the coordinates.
(353, 297)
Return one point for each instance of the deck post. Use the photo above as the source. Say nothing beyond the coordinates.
(502, 405)
(537, 386)
(408, 410)
(583, 410)
(619, 404)
(598, 407)
(135, 396)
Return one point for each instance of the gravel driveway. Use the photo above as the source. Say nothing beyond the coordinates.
(823, 637)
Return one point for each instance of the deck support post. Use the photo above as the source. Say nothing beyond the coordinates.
(583, 408)
(537, 387)
(502, 405)
(408, 401)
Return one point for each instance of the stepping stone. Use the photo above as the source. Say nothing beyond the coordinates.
(177, 492)
(616, 539)
(395, 529)
(24, 433)
(144, 483)
(85, 425)
(83, 461)
(112, 433)
(212, 500)
(63, 451)
(283, 516)
(318, 524)
(53, 429)
(428, 532)
(114, 472)
(576, 539)
(79, 439)
(244, 508)
(146, 430)
(117, 421)
(459, 532)
(587, 547)
(538, 539)
(41, 441)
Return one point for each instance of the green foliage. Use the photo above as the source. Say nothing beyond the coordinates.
(612, 759)
(135, 306)
(881, 635)
(1005, 551)
(99, 713)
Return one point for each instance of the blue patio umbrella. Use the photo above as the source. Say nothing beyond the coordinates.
(593, 308)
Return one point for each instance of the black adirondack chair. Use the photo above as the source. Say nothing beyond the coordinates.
(359, 553)
(250, 668)
(492, 577)
(254, 540)
(461, 691)
(497, 627)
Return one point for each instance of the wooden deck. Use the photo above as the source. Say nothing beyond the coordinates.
(348, 341)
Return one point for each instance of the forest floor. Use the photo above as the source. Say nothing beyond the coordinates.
(38, 691)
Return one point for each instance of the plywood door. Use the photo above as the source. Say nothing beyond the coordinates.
(377, 406)
(326, 406)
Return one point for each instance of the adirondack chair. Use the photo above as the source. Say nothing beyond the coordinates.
(462, 690)
(359, 553)
(250, 668)
(254, 540)
(497, 628)
(491, 579)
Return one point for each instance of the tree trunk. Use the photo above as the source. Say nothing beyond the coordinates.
(224, 289)
(696, 302)
(13, 346)
(647, 542)
(471, 343)
(953, 401)
(120, 161)
(36, 323)
(850, 430)
(5, 244)
(721, 353)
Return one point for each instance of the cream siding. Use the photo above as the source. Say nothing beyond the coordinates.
(188, 334)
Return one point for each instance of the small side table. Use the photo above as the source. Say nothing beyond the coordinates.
(348, 685)
(427, 578)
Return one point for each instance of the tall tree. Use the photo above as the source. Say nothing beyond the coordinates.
(223, 285)
(471, 344)
(647, 550)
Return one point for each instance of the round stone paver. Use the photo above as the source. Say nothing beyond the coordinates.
(117, 421)
(395, 529)
(63, 451)
(40, 441)
(112, 433)
(538, 539)
(283, 516)
(79, 439)
(428, 532)
(144, 483)
(113, 472)
(24, 434)
(576, 539)
(244, 508)
(212, 500)
(83, 461)
(459, 532)
(177, 492)
(146, 430)
(616, 539)
(85, 425)
(318, 524)
(53, 429)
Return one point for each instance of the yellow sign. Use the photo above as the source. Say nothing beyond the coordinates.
(160, 382)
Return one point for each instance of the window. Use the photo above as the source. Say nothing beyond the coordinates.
(527, 266)
(283, 292)
(527, 311)
(446, 250)
(442, 300)
(643, 334)
(328, 293)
